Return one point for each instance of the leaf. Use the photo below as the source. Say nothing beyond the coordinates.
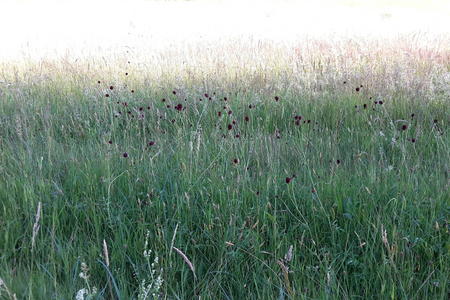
(271, 217)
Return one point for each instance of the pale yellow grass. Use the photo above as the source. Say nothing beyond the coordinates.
(265, 46)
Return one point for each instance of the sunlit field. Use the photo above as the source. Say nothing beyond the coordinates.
(225, 150)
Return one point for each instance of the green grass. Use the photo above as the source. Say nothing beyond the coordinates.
(373, 226)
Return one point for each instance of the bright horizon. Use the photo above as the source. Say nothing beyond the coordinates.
(33, 28)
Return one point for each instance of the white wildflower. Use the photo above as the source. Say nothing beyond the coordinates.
(80, 294)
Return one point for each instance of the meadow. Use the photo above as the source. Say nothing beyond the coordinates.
(239, 169)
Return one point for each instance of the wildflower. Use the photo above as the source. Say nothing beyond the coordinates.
(230, 126)
(246, 119)
(220, 113)
(288, 179)
(125, 154)
(435, 121)
(107, 95)
(338, 161)
(80, 294)
(174, 92)
(110, 142)
(404, 127)
(111, 88)
(357, 89)
(235, 161)
(276, 98)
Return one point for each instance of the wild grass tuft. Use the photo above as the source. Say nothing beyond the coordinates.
(317, 169)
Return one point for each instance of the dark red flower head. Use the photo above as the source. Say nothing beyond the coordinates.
(230, 127)
(288, 179)
(235, 161)
(338, 161)
(174, 92)
(435, 121)
(111, 87)
(247, 119)
(151, 143)
(276, 98)
(125, 154)
(404, 127)
(357, 89)
(220, 113)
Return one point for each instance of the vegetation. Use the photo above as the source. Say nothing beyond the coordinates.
(241, 170)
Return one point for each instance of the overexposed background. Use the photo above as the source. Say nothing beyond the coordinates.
(46, 27)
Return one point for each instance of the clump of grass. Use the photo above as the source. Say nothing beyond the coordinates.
(335, 161)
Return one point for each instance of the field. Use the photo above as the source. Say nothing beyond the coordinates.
(235, 167)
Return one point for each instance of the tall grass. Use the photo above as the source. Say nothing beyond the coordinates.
(325, 176)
